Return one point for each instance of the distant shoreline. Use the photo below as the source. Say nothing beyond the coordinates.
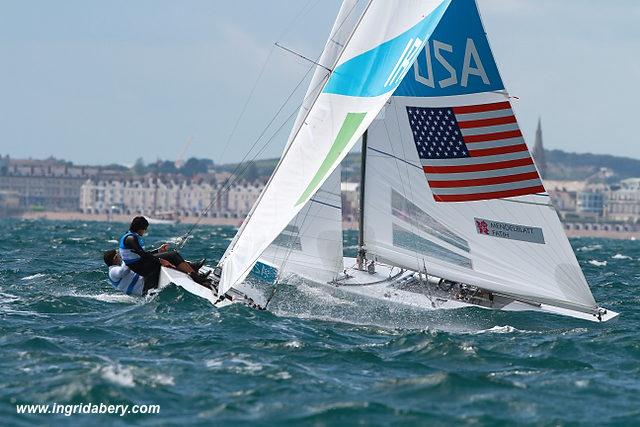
(235, 222)
(79, 216)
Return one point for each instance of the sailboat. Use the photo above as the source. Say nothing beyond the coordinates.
(453, 211)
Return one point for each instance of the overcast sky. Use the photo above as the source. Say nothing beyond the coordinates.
(109, 81)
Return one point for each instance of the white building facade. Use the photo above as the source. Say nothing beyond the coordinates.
(153, 197)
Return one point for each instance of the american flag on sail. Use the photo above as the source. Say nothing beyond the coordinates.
(473, 152)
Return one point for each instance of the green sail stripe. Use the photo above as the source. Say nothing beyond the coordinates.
(348, 129)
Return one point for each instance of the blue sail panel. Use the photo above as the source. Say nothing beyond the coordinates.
(380, 70)
(456, 60)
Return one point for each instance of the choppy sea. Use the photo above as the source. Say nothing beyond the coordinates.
(68, 338)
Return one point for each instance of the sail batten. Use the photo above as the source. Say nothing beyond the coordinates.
(377, 55)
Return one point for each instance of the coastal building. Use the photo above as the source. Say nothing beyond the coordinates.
(192, 198)
(591, 201)
(241, 198)
(564, 195)
(623, 204)
(147, 196)
(49, 184)
(9, 203)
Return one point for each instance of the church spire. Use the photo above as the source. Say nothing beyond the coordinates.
(538, 151)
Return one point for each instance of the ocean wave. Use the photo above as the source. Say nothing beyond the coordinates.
(118, 375)
(621, 256)
(8, 298)
(162, 379)
(34, 276)
(589, 248)
(110, 298)
(238, 364)
(598, 263)
(506, 329)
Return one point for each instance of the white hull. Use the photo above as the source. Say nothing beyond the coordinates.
(409, 289)
(169, 276)
(395, 286)
(399, 287)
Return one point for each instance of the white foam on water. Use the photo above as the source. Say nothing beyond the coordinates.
(243, 365)
(506, 329)
(589, 248)
(162, 379)
(8, 298)
(598, 263)
(293, 344)
(468, 348)
(620, 256)
(213, 363)
(176, 240)
(112, 241)
(319, 295)
(5, 306)
(282, 375)
(582, 383)
(110, 298)
(236, 364)
(35, 276)
(118, 375)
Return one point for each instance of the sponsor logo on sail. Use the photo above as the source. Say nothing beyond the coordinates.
(505, 230)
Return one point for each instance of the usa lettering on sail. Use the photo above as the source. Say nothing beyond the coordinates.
(471, 65)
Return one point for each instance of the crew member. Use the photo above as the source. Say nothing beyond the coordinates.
(122, 277)
(147, 263)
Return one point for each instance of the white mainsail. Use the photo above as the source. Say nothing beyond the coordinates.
(451, 187)
(376, 56)
(310, 246)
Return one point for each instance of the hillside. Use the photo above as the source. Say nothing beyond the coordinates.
(575, 166)
(561, 166)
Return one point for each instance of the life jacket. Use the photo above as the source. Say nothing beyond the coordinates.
(125, 280)
(128, 256)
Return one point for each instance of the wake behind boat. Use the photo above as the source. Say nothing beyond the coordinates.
(453, 210)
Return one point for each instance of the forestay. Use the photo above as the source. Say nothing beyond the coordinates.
(451, 186)
(374, 59)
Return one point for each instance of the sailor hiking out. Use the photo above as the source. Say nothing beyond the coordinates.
(134, 270)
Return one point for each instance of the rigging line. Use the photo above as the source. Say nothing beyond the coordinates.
(222, 191)
(264, 131)
(308, 71)
(246, 104)
(402, 178)
(321, 83)
(286, 49)
(260, 74)
(302, 122)
(395, 157)
(241, 167)
(289, 26)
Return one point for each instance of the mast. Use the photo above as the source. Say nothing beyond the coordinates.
(363, 173)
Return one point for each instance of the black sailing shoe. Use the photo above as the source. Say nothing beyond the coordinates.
(197, 265)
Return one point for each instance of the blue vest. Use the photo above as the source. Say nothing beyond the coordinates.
(128, 256)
